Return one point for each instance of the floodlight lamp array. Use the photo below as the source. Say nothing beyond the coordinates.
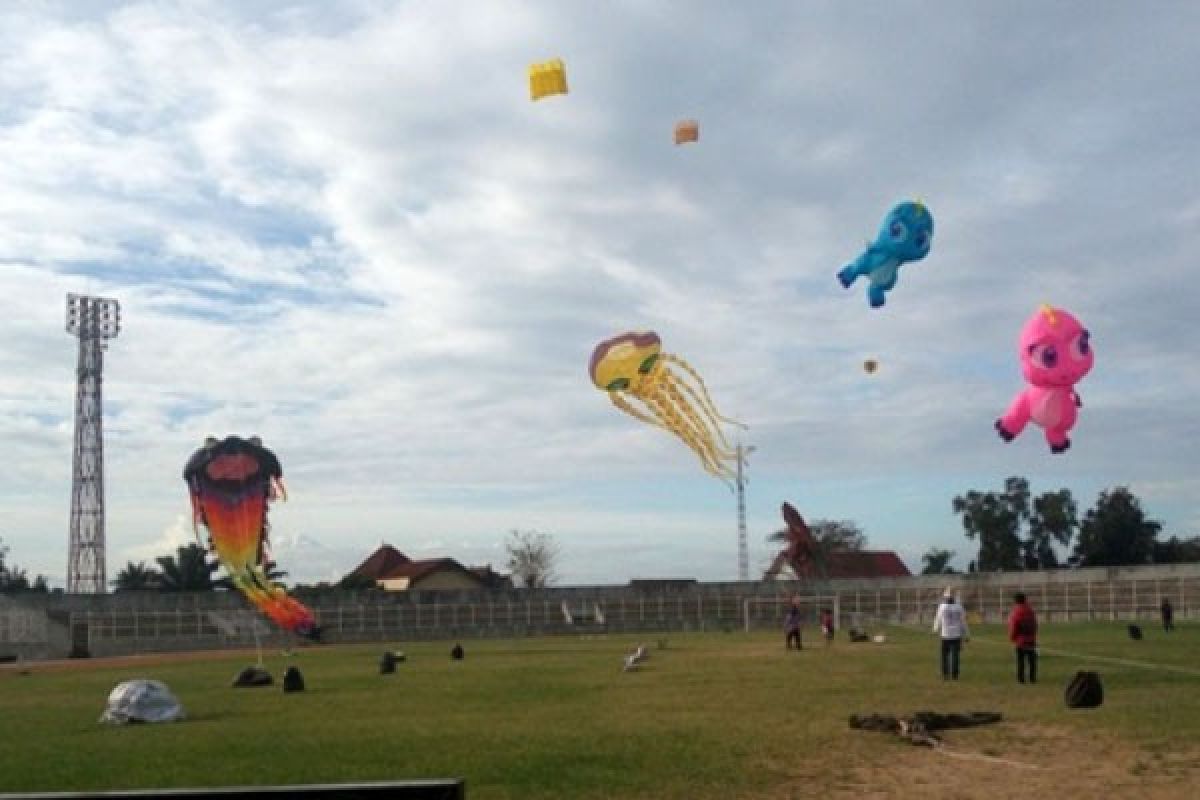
(93, 317)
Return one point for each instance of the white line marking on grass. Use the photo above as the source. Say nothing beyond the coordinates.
(1088, 657)
(1128, 662)
(1124, 661)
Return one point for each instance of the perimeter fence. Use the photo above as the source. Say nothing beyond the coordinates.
(56, 625)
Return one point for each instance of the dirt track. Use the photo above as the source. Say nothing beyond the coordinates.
(1038, 762)
(115, 662)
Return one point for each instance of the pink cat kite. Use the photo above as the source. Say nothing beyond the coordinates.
(1055, 355)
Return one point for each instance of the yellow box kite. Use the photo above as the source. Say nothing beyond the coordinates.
(547, 78)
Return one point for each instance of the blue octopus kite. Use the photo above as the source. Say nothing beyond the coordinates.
(906, 234)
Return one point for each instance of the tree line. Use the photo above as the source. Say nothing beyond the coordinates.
(13, 579)
(1016, 530)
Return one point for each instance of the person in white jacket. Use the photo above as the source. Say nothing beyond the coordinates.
(951, 623)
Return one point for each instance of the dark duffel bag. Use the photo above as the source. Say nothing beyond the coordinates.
(1135, 632)
(1085, 690)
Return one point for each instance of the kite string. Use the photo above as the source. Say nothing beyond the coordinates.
(941, 748)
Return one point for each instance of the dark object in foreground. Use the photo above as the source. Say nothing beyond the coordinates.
(457, 653)
(1135, 632)
(388, 662)
(253, 676)
(857, 635)
(919, 727)
(1085, 690)
(447, 789)
(293, 681)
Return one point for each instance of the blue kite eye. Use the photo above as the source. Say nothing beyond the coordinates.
(898, 231)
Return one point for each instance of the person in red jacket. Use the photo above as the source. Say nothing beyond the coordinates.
(1022, 632)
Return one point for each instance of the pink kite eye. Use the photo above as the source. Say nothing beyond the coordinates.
(1081, 346)
(1044, 355)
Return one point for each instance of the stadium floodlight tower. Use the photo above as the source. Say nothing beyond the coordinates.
(94, 320)
(743, 548)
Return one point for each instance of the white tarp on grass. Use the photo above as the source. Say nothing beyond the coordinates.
(142, 701)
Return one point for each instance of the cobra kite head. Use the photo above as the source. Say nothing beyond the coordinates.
(232, 464)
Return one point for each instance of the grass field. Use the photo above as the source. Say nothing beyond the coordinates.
(709, 716)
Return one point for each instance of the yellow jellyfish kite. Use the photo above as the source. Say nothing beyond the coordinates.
(687, 130)
(633, 365)
(547, 78)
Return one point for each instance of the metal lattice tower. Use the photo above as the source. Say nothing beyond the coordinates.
(743, 548)
(94, 320)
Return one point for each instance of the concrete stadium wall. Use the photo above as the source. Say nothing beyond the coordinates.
(39, 626)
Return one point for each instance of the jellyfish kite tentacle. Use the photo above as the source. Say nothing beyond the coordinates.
(623, 404)
(699, 426)
(705, 398)
(683, 423)
(711, 421)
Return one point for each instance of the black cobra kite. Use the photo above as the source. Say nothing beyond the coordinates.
(230, 482)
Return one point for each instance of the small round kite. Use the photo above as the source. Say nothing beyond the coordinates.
(1056, 353)
(547, 78)
(906, 234)
(870, 365)
(632, 365)
(687, 130)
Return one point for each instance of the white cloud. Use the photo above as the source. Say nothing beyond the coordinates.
(348, 230)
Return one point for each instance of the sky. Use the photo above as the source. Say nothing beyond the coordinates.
(345, 227)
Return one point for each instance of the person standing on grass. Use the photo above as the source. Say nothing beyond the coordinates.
(827, 625)
(791, 626)
(951, 623)
(1168, 615)
(1022, 632)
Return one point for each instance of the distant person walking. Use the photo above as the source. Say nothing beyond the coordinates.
(1022, 632)
(951, 623)
(791, 626)
(1168, 615)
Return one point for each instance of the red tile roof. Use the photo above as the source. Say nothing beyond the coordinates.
(388, 563)
(866, 564)
(381, 563)
(416, 570)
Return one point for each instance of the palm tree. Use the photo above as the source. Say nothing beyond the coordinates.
(189, 570)
(270, 569)
(137, 577)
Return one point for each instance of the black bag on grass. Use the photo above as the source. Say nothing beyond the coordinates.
(252, 676)
(1135, 632)
(293, 681)
(1085, 690)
